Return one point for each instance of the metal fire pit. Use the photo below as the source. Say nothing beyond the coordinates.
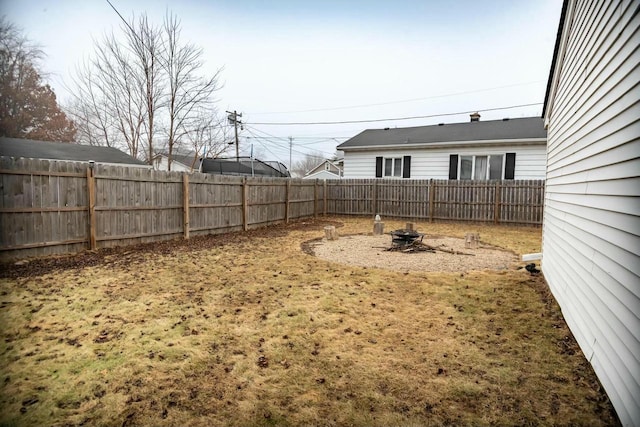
(405, 237)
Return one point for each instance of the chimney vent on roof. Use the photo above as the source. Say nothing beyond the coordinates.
(475, 117)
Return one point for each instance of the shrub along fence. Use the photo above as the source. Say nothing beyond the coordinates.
(50, 207)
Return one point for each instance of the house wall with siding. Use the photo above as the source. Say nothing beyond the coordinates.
(163, 164)
(591, 232)
(433, 163)
(322, 174)
(325, 170)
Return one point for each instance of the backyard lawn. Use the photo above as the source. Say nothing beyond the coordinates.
(251, 329)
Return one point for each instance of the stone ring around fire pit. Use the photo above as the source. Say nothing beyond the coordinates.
(404, 237)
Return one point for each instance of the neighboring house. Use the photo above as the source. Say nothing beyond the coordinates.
(496, 149)
(244, 166)
(180, 162)
(27, 148)
(591, 228)
(325, 170)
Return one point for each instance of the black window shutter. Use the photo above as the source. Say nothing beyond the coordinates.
(406, 168)
(510, 166)
(378, 167)
(453, 166)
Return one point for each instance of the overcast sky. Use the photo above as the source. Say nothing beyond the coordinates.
(319, 61)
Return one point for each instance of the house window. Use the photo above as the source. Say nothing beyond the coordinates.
(393, 167)
(481, 167)
(495, 167)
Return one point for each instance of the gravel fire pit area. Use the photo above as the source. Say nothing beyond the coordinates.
(371, 251)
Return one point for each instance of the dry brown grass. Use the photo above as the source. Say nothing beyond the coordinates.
(256, 332)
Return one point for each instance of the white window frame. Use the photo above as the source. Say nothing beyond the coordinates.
(393, 167)
(473, 165)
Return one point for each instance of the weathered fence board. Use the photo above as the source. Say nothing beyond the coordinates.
(517, 202)
(49, 207)
(44, 208)
(136, 205)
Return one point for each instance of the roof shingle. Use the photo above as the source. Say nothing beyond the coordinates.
(14, 147)
(507, 129)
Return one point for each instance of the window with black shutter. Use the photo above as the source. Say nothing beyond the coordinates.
(510, 166)
(481, 167)
(393, 167)
(406, 167)
(453, 166)
(378, 167)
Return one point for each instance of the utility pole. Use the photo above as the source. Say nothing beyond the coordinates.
(233, 118)
(290, 150)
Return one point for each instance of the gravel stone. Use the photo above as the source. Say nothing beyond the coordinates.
(369, 251)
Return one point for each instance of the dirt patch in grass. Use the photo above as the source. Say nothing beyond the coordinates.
(247, 329)
(450, 254)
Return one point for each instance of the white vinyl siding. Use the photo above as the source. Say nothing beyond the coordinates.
(434, 162)
(325, 166)
(323, 174)
(162, 163)
(591, 231)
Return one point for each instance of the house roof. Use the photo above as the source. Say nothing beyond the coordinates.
(186, 159)
(243, 166)
(322, 174)
(320, 167)
(490, 130)
(554, 59)
(278, 166)
(14, 147)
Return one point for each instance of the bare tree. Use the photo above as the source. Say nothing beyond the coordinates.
(188, 93)
(97, 123)
(308, 162)
(145, 43)
(140, 84)
(208, 134)
(111, 97)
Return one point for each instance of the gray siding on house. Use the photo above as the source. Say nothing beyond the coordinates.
(591, 241)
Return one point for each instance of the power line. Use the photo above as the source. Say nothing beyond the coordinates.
(316, 140)
(319, 138)
(283, 145)
(263, 145)
(282, 138)
(393, 118)
(125, 21)
(401, 101)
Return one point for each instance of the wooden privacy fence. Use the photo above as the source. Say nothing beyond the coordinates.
(50, 207)
(500, 202)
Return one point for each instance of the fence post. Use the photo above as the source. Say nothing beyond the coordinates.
(315, 198)
(324, 199)
(185, 205)
(91, 188)
(496, 210)
(432, 191)
(374, 198)
(286, 202)
(245, 225)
